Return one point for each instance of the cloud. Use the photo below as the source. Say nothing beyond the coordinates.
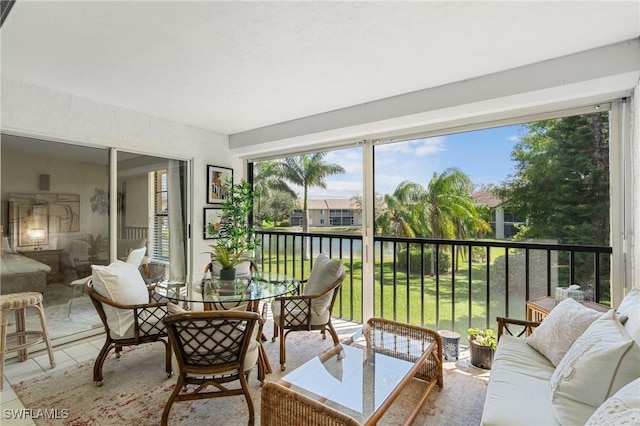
(417, 147)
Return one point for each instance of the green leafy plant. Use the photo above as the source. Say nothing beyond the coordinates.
(96, 243)
(235, 238)
(483, 337)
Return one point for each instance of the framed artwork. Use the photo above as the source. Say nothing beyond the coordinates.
(215, 178)
(64, 209)
(211, 218)
(30, 223)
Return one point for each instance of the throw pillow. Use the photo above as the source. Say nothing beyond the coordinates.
(122, 283)
(324, 273)
(600, 362)
(629, 308)
(564, 324)
(623, 408)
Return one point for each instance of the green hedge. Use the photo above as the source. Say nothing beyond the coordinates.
(414, 260)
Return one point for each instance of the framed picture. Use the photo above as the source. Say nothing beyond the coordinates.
(211, 217)
(215, 178)
(30, 223)
(63, 209)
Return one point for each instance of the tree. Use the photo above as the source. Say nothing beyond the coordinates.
(279, 206)
(561, 184)
(398, 218)
(268, 186)
(445, 209)
(306, 171)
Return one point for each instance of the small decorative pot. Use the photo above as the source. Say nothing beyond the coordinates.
(481, 356)
(228, 274)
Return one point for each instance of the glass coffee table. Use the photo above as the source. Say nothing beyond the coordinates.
(364, 375)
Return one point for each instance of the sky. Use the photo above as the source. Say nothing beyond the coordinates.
(484, 155)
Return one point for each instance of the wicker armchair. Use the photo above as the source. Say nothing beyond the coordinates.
(147, 327)
(280, 406)
(213, 349)
(312, 309)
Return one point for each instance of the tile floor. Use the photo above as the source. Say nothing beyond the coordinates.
(35, 365)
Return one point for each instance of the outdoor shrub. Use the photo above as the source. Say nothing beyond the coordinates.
(414, 261)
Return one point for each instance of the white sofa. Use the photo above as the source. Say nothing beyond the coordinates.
(575, 368)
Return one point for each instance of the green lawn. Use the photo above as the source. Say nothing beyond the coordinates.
(415, 299)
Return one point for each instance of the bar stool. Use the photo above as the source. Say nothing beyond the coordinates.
(17, 303)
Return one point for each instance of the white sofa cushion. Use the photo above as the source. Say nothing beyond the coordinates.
(519, 378)
(564, 324)
(623, 408)
(600, 362)
(122, 283)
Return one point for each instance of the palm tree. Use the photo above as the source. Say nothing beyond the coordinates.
(306, 171)
(450, 208)
(266, 183)
(398, 219)
(444, 210)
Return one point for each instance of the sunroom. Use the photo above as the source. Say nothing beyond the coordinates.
(106, 102)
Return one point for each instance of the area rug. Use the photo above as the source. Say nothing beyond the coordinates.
(136, 389)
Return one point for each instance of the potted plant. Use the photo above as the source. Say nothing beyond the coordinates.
(235, 238)
(482, 345)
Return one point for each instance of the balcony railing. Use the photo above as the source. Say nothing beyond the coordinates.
(466, 284)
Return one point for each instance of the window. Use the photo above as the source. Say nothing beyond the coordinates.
(159, 218)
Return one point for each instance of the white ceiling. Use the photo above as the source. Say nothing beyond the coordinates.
(236, 66)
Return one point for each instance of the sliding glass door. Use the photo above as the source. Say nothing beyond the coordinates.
(151, 213)
(57, 221)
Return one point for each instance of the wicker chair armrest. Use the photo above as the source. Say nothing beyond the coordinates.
(505, 325)
(295, 297)
(111, 302)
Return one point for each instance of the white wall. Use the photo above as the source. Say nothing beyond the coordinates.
(29, 110)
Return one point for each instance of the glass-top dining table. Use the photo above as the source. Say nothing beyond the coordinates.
(245, 292)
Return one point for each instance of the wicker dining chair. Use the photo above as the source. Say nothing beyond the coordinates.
(281, 406)
(128, 324)
(213, 349)
(312, 309)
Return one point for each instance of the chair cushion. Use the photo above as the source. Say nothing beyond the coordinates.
(564, 324)
(600, 362)
(324, 273)
(623, 408)
(122, 283)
